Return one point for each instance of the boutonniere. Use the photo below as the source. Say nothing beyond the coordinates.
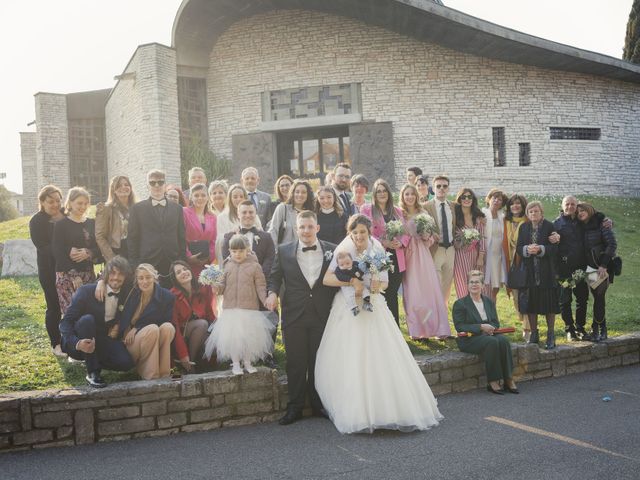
(121, 307)
(328, 255)
(256, 239)
(262, 202)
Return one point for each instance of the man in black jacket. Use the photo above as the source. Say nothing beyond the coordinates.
(87, 321)
(306, 304)
(156, 229)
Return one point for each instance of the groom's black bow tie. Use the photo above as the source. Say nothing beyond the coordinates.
(113, 294)
(253, 230)
(306, 249)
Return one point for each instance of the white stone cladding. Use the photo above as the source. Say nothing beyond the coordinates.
(141, 118)
(52, 141)
(30, 185)
(443, 104)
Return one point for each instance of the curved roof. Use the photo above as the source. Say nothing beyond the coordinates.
(199, 23)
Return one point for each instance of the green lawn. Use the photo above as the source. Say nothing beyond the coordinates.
(26, 362)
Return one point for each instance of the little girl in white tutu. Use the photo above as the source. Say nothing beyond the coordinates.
(242, 332)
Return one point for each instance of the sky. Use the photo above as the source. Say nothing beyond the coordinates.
(69, 46)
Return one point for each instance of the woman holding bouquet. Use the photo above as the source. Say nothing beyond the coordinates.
(192, 314)
(468, 239)
(476, 316)
(426, 312)
(360, 388)
(388, 229)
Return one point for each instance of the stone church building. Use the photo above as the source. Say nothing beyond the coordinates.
(295, 86)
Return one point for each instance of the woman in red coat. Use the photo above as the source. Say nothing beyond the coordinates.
(192, 313)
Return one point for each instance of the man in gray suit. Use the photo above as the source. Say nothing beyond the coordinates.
(262, 200)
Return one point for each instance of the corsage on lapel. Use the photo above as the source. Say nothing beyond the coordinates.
(328, 255)
(262, 202)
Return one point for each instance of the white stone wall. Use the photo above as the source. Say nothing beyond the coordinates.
(443, 104)
(52, 141)
(142, 118)
(30, 186)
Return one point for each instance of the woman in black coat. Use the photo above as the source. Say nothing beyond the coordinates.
(331, 218)
(41, 233)
(540, 296)
(599, 247)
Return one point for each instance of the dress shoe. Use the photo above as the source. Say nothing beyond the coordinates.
(510, 389)
(290, 417)
(583, 335)
(572, 335)
(497, 392)
(535, 336)
(269, 362)
(236, 369)
(319, 412)
(551, 341)
(95, 380)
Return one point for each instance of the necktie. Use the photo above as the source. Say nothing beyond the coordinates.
(162, 203)
(346, 203)
(306, 249)
(252, 196)
(253, 230)
(445, 226)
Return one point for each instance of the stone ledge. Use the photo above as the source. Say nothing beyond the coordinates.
(82, 415)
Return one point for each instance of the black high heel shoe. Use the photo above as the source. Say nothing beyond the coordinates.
(551, 341)
(497, 392)
(510, 390)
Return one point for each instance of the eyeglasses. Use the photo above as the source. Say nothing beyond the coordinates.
(442, 187)
(466, 197)
(156, 183)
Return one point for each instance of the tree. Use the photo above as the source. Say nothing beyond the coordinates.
(196, 154)
(632, 40)
(7, 210)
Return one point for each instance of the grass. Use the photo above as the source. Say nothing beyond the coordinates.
(26, 362)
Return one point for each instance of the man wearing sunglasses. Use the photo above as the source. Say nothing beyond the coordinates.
(443, 211)
(156, 229)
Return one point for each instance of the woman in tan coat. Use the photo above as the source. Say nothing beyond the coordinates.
(242, 332)
(112, 218)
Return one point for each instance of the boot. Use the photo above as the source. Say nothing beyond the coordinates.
(595, 333)
(603, 331)
(551, 340)
(535, 337)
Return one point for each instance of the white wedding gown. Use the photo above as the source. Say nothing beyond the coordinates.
(365, 374)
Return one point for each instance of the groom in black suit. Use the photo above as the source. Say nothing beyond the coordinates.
(306, 304)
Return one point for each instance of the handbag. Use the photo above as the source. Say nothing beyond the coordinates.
(517, 275)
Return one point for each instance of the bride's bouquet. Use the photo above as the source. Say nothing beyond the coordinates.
(211, 276)
(425, 224)
(393, 229)
(375, 263)
(470, 236)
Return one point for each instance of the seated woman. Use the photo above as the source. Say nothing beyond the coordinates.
(476, 314)
(192, 314)
(145, 325)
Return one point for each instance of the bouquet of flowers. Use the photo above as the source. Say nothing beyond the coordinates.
(470, 236)
(576, 277)
(393, 229)
(211, 275)
(425, 224)
(376, 263)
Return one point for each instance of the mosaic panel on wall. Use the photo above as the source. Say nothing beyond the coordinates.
(309, 102)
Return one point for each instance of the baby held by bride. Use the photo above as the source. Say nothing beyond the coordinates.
(346, 270)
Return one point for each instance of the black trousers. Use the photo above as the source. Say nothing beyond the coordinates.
(301, 342)
(391, 294)
(109, 353)
(599, 305)
(581, 293)
(52, 315)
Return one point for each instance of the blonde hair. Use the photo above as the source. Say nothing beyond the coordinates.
(403, 206)
(533, 204)
(150, 269)
(475, 273)
(73, 194)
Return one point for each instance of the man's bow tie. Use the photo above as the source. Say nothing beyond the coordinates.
(253, 230)
(162, 203)
(113, 294)
(306, 249)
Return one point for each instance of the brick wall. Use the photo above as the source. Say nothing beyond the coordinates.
(442, 103)
(30, 186)
(154, 408)
(142, 118)
(52, 141)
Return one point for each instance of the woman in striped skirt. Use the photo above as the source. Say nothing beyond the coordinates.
(470, 254)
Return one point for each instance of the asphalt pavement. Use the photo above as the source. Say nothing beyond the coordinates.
(557, 428)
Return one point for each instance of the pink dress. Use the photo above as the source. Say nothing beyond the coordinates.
(426, 312)
(466, 258)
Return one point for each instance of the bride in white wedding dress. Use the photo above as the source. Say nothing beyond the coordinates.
(365, 374)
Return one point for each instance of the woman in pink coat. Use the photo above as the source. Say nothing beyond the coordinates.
(382, 211)
(200, 230)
